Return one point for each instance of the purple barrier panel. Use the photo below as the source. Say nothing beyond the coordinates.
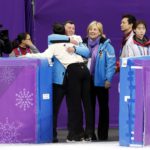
(143, 126)
(147, 107)
(139, 106)
(18, 101)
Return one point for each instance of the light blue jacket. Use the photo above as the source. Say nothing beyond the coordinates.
(58, 68)
(105, 64)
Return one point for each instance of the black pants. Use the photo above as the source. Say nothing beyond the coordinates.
(78, 89)
(103, 123)
(58, 95)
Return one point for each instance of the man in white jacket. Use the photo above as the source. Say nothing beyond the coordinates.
(127, 24)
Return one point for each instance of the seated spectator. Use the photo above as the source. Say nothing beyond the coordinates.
(23, 45)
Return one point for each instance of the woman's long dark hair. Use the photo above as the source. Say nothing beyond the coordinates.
(18, 40)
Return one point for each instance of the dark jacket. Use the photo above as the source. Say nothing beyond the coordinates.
(5, 47)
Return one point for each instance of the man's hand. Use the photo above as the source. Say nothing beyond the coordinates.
(73, 41)
(107, 84)
(29, 43)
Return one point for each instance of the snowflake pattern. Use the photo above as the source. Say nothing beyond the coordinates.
(7, 75)
(9, 131)
(24, 99)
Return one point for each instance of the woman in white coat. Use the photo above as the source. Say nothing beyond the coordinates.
(139, 45)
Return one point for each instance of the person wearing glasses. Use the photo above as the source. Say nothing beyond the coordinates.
(23, 45)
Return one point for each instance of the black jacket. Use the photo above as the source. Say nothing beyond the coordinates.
(5, 47)
(102, 40)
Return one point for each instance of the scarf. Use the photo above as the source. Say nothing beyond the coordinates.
(142, 42)
(125, 38)
(93, 46)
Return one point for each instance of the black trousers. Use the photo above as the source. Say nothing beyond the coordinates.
(103, 98)
(78, 89)
(59, 92)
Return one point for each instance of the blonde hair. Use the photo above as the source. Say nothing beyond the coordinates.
(98, 25)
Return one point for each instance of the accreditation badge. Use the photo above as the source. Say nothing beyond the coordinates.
(100, 53)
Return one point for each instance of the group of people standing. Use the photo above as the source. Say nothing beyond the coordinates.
(135, 42)
(83, 70)
(82, 85)
(101, 65)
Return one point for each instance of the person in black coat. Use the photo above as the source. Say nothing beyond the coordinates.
(5, 44)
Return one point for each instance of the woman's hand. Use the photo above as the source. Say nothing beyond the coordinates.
(70, 49)
(107, 84)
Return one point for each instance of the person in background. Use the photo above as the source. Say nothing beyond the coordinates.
(23, 45)
(102, 68)
(139, 45)
(59, 89)
(127, 24)
(5, 43)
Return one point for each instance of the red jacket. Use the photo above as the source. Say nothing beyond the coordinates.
(21, 51)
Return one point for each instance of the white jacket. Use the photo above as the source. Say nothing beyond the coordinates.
(125, 47)
(131, 49)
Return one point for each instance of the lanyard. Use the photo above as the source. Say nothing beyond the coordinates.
(27, 51)
(19, 51)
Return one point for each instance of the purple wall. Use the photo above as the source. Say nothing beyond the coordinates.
(12, 16)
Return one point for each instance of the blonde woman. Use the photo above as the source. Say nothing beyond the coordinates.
(102, 68)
